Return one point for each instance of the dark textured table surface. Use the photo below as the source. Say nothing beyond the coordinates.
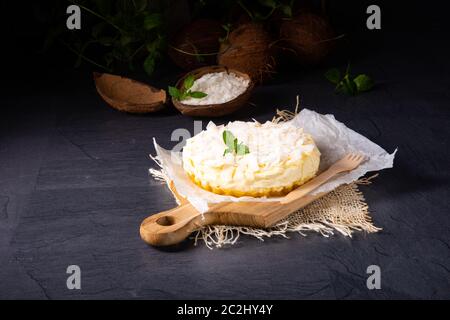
(74, 187)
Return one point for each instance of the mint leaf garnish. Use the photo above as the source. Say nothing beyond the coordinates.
(363, 83)
(233, 145)
(228, 139)
(333, 75)
(188, 82)
(174, 92)
(197, 94)
(242, 149)
(185, 92)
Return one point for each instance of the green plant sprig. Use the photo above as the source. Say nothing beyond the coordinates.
(233, 145)
(185, 91)
(119, 33)
(348, 84)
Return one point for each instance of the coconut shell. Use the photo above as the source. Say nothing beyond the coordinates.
(128, 95)
(249, 50)
(199, 37)
(308, 36)
(214, 110)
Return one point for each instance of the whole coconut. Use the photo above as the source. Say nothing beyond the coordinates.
(249, 50)
(308, 36)
(197, 44)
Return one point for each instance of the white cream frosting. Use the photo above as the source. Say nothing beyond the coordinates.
(280, 155)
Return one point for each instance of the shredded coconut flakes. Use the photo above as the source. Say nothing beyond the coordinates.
(220, 87)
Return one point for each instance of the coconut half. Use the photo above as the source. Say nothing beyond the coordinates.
(129, 95)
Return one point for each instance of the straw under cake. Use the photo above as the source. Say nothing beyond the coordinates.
(280, 157)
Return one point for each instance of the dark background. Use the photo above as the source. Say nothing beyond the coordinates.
(25, 30)
(74, 184)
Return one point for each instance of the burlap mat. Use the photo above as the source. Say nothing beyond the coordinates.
(342, 210)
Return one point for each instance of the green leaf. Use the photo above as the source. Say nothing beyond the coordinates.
(333, 75)
(152, 21)
(184, 95)
(188, 82)
(349, 86)
(228, 139)
(347, 70)
(233, 145)
(152, 47)
(363, 83)
(126, 39)
(287, 11)
(149, 64)
(339, 87)
(174, 93)
(197, 94)
(242, 149)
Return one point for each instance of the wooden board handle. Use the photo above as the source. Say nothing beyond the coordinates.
(171, 226)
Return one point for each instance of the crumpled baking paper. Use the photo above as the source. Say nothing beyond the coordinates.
(333, 139)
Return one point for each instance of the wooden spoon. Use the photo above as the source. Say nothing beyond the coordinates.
(173, 226)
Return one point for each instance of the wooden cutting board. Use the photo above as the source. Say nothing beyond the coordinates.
(173, 226)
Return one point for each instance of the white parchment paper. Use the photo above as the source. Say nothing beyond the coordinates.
(333, 139)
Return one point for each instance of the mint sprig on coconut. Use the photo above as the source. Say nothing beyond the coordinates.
(185, 91)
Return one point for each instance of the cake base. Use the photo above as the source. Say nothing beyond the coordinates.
(257, 193)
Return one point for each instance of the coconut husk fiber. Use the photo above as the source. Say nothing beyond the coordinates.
(343, 210)
(249, 50)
